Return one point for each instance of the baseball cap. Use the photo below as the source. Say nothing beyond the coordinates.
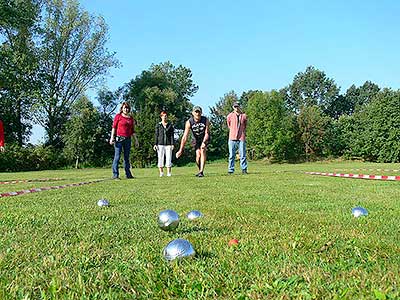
(235, 104)
(197, 108)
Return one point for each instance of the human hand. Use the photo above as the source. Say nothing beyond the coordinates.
(112, 141)
(172, 147)
(203, 145)
(136, 143)
(155, 148)
(178, 154)
(2, 149)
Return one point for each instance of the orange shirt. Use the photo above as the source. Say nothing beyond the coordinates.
(237, 126)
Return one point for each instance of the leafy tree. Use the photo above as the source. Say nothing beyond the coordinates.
(311, 88)
(271, 127)
(375, 131)
(357, 97)
(219, 130)
(18, 66)
(108, 101)
(162, 87)
(81, 130)
(312, 125)
(73, 57)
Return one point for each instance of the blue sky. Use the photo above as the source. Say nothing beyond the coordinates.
(244, 45)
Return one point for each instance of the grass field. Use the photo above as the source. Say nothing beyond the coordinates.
(297, 237)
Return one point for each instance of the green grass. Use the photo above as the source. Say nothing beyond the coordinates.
(297, 237)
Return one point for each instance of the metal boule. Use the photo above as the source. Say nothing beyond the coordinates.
(103, 202)
(178, 249)
(194, 214)
(168, 220)
(359, 211)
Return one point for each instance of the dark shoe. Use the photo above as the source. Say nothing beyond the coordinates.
(244, 172)
(130, 177)
(200, 174)
(230, 173)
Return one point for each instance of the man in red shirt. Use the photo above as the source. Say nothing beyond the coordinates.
(237, 122)
(2, 149)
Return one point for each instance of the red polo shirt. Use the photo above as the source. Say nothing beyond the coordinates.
(125, 126)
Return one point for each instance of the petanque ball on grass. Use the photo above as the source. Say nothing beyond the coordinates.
(178, 249)
(103, 203)
(168, 220)
(359, 211)
(194, 214)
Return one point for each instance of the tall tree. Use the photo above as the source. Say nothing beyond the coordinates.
(18, 66)
(73, 57)
(162, 87)
(271, 128)
(311, 88)
(79, 138)
(313, 125)
(357, 97)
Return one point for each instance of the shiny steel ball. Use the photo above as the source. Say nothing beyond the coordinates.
(194, 214)
(178, 249)
(359, 211)
(103, 202)
(168, 220)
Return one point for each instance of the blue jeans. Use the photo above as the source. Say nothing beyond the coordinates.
(118, 146)
(233, 147)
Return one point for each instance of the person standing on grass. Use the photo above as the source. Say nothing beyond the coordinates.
(200, 127)
(164, 143)
(123, 129)
(237, 122)
(2, 149)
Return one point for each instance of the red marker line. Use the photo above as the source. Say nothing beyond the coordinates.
(56, 187)
(30, 180)
(379, 170)
(358, 176)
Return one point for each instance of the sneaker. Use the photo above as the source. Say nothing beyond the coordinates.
(130, 177)
(230, 173)
(200, 174)
(244, 171)
(116, 178)
(169, 174)
(161, 174)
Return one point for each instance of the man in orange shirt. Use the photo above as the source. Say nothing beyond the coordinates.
(237, 122)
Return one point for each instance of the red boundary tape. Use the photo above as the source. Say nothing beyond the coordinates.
(30, 180)
(34, 190)
(379, 170)
(357, 176)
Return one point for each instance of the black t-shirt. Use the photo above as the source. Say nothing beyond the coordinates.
(198, 128)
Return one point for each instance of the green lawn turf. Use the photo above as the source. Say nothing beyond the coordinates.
(297, 237)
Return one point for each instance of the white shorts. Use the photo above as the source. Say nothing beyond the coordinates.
(167, 152)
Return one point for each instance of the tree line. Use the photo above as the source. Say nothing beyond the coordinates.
(53, 51)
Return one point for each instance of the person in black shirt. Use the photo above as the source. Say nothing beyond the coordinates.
(200, 127)
(164, 143)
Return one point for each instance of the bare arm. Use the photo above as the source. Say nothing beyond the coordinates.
(184, 139)
(112, 138)
(206, 135)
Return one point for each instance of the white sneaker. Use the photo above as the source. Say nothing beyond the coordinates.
(169, 174)
(161, 174)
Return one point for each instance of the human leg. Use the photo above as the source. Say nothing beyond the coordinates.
(168, 159)
(117, 155)
(161, 153)
(232, 146)
(126, 144)
(243, 156)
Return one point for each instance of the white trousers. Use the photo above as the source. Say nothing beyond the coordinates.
(167, 152)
